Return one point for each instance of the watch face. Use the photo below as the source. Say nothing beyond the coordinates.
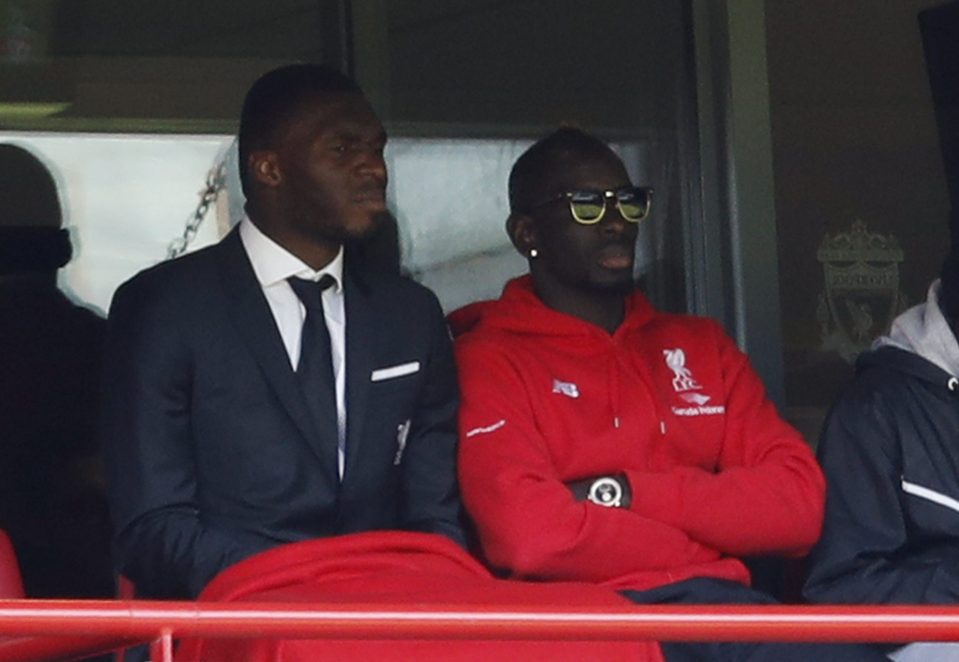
(606, 492)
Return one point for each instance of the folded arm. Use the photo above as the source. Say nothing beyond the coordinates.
(767, 493)
(529, 521)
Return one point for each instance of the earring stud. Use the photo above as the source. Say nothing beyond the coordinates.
(533, 253)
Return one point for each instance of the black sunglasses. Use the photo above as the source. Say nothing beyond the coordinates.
(588, 206)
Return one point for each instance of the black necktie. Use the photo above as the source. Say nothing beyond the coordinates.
(315, 368)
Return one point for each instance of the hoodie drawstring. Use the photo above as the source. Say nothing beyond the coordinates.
(614, 385)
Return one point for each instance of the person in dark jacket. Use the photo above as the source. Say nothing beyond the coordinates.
(269, 389)
(890, 452)
(52, 500)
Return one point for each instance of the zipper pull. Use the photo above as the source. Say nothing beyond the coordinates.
(662, 428)
(616, 422)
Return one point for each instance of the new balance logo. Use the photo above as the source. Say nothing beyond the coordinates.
(568, 389)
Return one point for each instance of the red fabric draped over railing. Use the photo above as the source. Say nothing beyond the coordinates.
(409, 596)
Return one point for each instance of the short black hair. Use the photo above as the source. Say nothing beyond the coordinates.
(276, 97)
(532, 171)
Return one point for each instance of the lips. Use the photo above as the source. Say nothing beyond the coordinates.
(617, 256)
(373, 197)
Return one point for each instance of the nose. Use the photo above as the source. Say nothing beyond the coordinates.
(372, 164)
(613, 222)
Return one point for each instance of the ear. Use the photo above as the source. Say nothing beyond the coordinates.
(522, 232)
(264, 166)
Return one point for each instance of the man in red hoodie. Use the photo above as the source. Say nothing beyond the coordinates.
(603, 441)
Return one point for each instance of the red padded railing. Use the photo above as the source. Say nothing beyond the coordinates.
(101, 625)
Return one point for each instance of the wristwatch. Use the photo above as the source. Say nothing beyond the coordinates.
(606, 491)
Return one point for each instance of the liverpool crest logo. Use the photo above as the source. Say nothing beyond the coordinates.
(682, 376)
(684, 383)
(861, 273)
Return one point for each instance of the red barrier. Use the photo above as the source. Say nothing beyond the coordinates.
(145, 620)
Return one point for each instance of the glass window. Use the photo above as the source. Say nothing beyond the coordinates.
(513, 71)
(861, 200)
(462, 85)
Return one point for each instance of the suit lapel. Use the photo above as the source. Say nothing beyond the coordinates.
(254, 320)
(360, 331)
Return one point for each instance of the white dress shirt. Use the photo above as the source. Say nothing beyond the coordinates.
(272, 265)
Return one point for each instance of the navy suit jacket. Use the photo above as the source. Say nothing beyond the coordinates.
(211, 452)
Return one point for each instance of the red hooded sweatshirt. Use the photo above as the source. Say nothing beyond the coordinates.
(668, 400)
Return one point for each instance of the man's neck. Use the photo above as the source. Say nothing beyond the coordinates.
(603, 308)
(314, 253)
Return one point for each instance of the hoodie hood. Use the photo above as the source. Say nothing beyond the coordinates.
(520, 311)
(922, 331)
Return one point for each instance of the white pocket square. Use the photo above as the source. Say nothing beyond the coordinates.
(395, 371)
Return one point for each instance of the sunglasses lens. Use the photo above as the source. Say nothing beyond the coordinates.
(586, 205)
(634, 203)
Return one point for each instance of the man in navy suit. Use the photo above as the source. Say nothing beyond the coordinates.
(267, 389)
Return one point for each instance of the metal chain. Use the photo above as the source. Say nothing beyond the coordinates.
(215, 181)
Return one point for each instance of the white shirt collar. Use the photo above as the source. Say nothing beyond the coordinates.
(273, 264)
